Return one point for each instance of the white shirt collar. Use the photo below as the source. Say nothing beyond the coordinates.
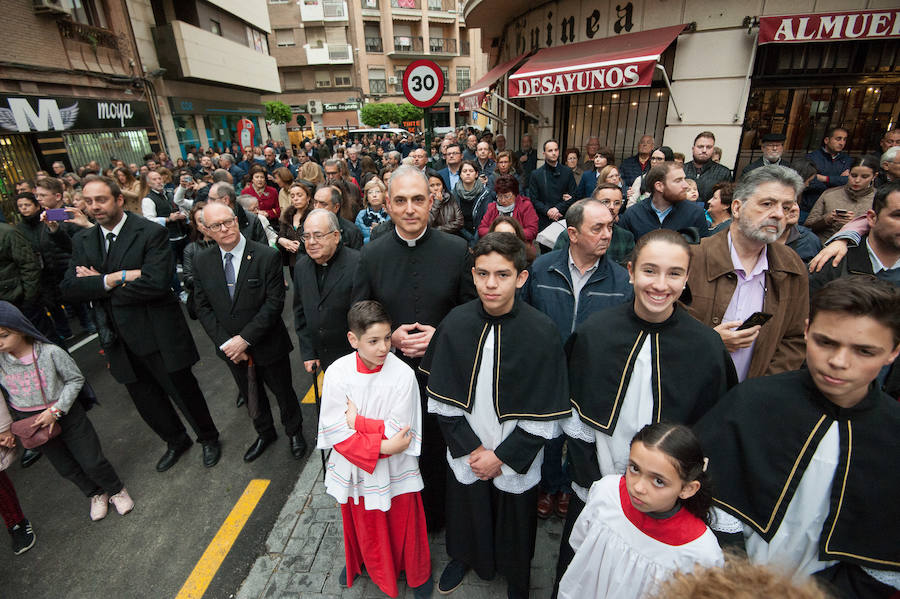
(115, 230)
(237, 252)
(877, 266)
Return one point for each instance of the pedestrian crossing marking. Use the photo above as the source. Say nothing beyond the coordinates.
(218, 548)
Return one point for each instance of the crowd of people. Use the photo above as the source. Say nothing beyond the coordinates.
(676, 364)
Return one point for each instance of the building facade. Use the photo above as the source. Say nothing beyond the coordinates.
(208, 65)
(71, 89)
(739, 68)
(346, 53)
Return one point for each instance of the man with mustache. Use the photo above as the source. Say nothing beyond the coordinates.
(743, 270)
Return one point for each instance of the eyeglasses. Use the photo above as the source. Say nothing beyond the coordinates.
(611, 202)
(225, 224)
(317, 236)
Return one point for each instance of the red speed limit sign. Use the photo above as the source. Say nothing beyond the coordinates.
(423, 83)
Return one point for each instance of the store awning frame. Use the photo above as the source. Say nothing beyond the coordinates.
(473, 97)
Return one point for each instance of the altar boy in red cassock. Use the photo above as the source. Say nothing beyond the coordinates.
(372, 417)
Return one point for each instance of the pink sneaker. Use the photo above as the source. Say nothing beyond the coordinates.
(123, 502)
(98, 506)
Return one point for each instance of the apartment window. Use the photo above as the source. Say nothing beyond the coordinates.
(398, 77)
(279, 1)
(293, 80)
(373, 38)
(323, 79)
(315, 37)
(215, 27)
(446, 73)
(89, 12)
(334, 9)
(284, 37)
(336, 35)
(342, 78)
(257, 40)
(462, 79)
(434, 5)
(377, 83)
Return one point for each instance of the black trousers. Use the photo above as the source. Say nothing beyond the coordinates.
(277, 377)
(76, 453)
(151, 394)
(566, 553)
(432, 465)
(492, 531)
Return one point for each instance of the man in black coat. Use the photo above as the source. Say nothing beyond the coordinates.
(323, 282)
(328, 197)
(124, 266)
(418, 274)
(249, 224)
(239, 297)
(551, 187)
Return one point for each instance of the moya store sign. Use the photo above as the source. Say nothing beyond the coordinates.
(27, 114)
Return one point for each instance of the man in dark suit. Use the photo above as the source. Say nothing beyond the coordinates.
(239, 297)
(328, 197)
(450, 173)
(323, 282)
(124, 266)
(250, 226)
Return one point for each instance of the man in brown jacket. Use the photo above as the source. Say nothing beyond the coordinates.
(744, 270)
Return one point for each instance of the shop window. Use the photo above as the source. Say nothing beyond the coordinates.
(130, 146)
(284, 37)
(323, 79)
(17, 163)
(342, 78)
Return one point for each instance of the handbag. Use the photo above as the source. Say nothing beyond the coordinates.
(29, 435)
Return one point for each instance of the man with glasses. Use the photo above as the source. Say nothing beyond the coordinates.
(622, 242)
(249, 224)
(323, 282)
(418, 274)
(450, 173)
(328, 197)
(239, 297)
(772, 145)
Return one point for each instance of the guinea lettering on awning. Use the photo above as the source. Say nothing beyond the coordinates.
(829, 27)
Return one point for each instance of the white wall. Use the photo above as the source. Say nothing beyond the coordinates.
(254, 12)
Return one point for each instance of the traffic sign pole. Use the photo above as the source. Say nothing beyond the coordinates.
(423, 86)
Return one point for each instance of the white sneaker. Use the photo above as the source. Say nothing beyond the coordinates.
(123, 502)
(98, 506)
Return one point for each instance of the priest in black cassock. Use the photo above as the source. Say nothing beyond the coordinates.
(497, 383)
(805, 462)
(418, 274)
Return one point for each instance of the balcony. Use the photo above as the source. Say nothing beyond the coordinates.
(406, 45)
(442, 45)
(329, 54)
(93, 48)
(442, 11)
(320, 11)
(374, 45)
(188, 52)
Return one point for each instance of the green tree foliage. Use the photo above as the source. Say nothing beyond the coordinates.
(277, 112)
(408, 112)
(379, 113)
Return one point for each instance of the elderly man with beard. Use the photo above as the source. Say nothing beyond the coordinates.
(744, 270)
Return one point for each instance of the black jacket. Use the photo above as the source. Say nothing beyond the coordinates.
(145, 314)
(546, 187)
(856, 262)
(708, 175)
(255, 312)
(320, 317)
(351, 236)
(250, 226)
(53, 249)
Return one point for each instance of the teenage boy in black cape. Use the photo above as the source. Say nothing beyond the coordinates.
(805, 462)
(497, 383)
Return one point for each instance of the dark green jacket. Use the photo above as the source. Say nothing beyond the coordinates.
(20, 273)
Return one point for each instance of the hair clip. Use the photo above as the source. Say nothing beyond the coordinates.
(705, 463)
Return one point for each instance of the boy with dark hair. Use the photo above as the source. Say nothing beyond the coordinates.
(803, 460)
(495, 410)
(372, 418)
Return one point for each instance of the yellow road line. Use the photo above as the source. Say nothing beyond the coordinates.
(219, 547)
(310, 396)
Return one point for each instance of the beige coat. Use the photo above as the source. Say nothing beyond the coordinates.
(840, 198)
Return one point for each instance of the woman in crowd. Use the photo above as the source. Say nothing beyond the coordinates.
(636, 192)
(373, 213)
(589, 179)
(839, 205)
(284, 179)
(291, 223)
(131, 189)
(506, 165)
(368, 171)
(311, 172)
(265, 193)
(510, 203)
(719, 211)
(573, 161)
(610, 174)
(472, 196)
(446, 214)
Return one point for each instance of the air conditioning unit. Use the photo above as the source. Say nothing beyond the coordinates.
(314, 107)
(393, 80)
(52, 7)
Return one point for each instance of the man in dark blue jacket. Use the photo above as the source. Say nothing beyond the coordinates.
(551, 187)
(569, 285)
(667, 207)
(833, 167)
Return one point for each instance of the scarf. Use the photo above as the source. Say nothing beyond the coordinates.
(468, 197)
(507, 210)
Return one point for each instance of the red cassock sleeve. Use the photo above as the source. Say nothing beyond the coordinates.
(363, 448)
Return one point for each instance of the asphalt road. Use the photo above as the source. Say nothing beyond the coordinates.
(150, 552)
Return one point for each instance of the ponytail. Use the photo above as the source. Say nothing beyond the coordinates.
(683, 448)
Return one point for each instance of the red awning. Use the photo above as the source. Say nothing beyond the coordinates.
(621, 61)
(829, 27)
(473, 97)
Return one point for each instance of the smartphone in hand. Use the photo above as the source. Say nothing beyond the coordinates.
(757, 318)
(57, 214)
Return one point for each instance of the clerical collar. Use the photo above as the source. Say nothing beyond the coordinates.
(332, 259)
(411, 242)
(363, 369)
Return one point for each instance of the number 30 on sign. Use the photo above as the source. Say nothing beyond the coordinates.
(423, 83)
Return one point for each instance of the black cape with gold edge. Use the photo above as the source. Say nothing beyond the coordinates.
(530, 380)
(761, 437)
(691, 368)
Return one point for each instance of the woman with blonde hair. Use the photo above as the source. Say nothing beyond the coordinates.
(284, 179)
(312, 172)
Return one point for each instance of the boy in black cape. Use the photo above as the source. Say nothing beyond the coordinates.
(805, 462)
(497, 383)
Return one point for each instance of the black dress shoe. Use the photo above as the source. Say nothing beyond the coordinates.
(211, 454)
(29, 457)
(258, 447)
(298, 445)
(171, 456)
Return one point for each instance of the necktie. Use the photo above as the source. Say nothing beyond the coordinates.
(110, 237)
(229, 274)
